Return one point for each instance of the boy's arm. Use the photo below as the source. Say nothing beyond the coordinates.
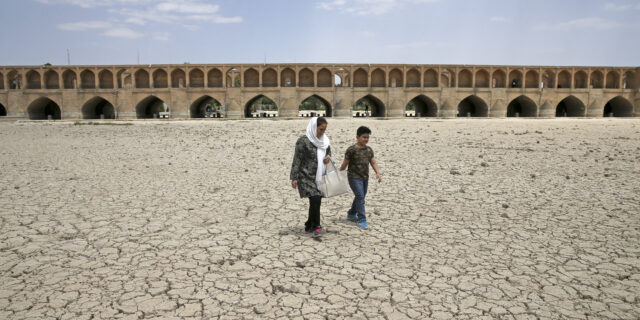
(345, 162)
(374, 164)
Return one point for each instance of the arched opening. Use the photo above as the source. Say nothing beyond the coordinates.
(196, 78)
(378, 78)
(306, 78)
(395, 79)
(105, 79)
(214, 78)
(160, 79)
(33, 80)
(44, 109)
(119, 75)
(314, 106)
(465, 79)
(69, 79)
(341, 78)
(360, 78)
(178, 78)
(570, 107)
(522, 106)
(548, 79)
(1, 81)
(628, 82)
(251, 78)
(482, 79)
(472, 106)
(98, 108)
(580, 80)
(499, 79)
(15, 80)
(369, 106)
(206, 107)
(613, 80)
(269, 78)
(87, 80)
(51, 80)
(3, 111)
(324, 78)
(261, 107)
(142, 79)
(413, 78)
(337, 80)
(430, 79)
(421, 106)
(150, 108)
(618, 107)
(531, 79)
(287, 78)
(515, 79)
(564, 79)
(597, 80)
(233, 78)
(448, 78)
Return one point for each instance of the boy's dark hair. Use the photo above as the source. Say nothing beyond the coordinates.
(321, 120)
(363, 130)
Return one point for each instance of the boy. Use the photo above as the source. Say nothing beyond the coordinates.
(358, 157)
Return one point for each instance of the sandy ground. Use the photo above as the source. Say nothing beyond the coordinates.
(475, 218)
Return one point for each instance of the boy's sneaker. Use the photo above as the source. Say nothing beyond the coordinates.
(352, 217)
(363, 224)
(318, 232)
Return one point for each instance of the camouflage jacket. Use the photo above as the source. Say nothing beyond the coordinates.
(304, 167)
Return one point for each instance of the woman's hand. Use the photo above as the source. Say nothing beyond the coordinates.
(326, 160)
(294, 183)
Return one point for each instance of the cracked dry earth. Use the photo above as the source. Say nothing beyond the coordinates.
(474, 219)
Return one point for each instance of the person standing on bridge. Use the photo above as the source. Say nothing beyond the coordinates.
(309, 164)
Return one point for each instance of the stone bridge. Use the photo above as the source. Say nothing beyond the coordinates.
(138, 91)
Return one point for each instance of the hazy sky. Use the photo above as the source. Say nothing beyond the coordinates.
(553, 32)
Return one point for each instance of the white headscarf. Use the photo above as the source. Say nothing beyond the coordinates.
(321, 143)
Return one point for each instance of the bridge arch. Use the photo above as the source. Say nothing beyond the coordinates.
(142, 79)
(580, 80)
(522, 106)
(269, 78)
(613, 80)
(618, 107)
(206, 107)
(196, 78)
(44, 108)
(515, 79)
(33, 80)
(316, 103)
(324, 78)
(531, 79)
(413, 78)
(214, 78)
(160, 79)
(105, 79)
(378, 78)
(465, 79)
(395, 78)
(499, 79)
(482, 79)
(430, 78)
(98, 108)
(473, 106)
(564, 79)
(178, 78)
(1, 81)
(69, 79)
(360, 78)
(251, 78)
(423, 106)
(597, 79)
(287, 78)
(14, 79)
(570, 107)
(375, 106)
(3, 111)
(150, 107)
(51, 80)
(548, 79)
(261, 106)
(305, 78)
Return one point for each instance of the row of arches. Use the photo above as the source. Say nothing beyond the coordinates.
(287, 77)
(261, 106)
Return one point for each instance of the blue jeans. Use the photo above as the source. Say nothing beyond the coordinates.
(359, 188)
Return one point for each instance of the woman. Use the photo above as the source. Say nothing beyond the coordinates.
(309, 164)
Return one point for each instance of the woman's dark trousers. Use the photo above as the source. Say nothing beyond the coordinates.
(314, 213)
